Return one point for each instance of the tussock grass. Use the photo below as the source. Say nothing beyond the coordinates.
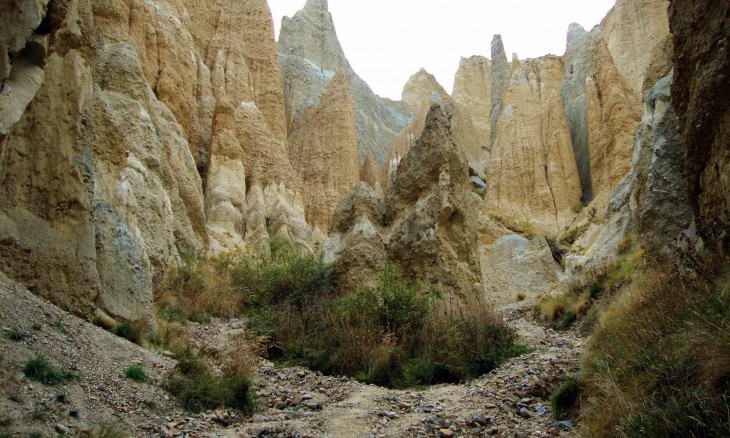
(658, 363)
(41, 370)
(591, 285)
(136, 373)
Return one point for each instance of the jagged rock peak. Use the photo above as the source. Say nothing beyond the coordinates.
(323, 149)
(316, 5)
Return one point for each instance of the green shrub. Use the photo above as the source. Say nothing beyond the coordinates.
(565, 400)
(129, 331)
(41, 370)
(199, 390)
(389, 335)
(136, 373)
(16, 335)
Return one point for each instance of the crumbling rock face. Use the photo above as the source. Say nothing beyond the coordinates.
(701, 35)
(432, 214)
(514, 265)
(323, 149)
(357, 240)
(473, 92)
(637, 35)
(532, 170)
(310, 55)
(652, 201)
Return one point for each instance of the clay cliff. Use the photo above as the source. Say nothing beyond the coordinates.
(310, 55)
(323, 147)
(133, 132)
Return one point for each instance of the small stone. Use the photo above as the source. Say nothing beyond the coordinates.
(564, 424)
(524, 413)
(279, 405)
(61, 429)
(446, 433)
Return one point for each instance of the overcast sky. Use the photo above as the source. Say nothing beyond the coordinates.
(386, 41)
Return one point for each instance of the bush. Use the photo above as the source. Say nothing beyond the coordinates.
(389, 335)
(136, 373)
(39, 369)
(565, 400)
(16, 335)
(199, 390)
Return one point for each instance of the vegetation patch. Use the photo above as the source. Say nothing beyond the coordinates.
(524, 228)
(136, 373)
(199, 390)
(390, 335)
(658, 363)
(39, 369)
(591, 285)
(16, 335)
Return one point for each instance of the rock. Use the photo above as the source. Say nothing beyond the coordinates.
(357, 244)
(446, 433)
(279, 404)
(61, 429)
(525, 413)
(564, 424)
(323, 147)
(310, 55)
(700, 81)
(514, 265)
(432, 221)
(531, 139)
(473, 92)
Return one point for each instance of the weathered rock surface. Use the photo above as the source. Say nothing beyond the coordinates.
(310, 55)
(473, 92)
(357, 240)
(637, 35)
(323, 149)
(431, 222)
(514, 265)
(432, 214)
(652, 201)
(532, 170)
(702, 40)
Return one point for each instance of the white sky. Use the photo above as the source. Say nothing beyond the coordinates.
(386, 41)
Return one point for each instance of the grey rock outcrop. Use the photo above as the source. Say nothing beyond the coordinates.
(515, 265)
(310, 55)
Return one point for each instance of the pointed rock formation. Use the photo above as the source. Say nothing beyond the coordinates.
(432, 216)
(369, 174)
(500, 80)
(310, 55)
(532, 171)
(473, 92)
(323, 149)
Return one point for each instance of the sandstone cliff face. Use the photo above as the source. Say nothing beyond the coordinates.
(310, 55)
(323, 147)
(702, 40)
(473, 92)
(637, 35)
(532, 170)
(138, 100)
